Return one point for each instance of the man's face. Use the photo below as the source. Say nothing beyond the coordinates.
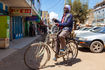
(66, 10)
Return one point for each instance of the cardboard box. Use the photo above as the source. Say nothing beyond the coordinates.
(4, 42)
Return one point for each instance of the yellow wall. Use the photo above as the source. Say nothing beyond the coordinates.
(45, 14)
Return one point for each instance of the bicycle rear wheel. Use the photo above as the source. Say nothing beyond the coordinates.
(72, 50)
(36, 56)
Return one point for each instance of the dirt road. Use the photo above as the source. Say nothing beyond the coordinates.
(85, 61)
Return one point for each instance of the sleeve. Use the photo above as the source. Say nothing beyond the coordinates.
(69, 20)
(57, 21)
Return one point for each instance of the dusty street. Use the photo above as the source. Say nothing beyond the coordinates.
(85, 61)
(15, 61)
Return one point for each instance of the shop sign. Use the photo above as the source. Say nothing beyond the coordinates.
(33, 18)
(20, 12)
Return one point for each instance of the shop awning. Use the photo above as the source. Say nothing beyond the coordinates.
(3, 12)
(21, 4)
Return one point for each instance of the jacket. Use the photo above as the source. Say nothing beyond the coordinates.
(68, 22)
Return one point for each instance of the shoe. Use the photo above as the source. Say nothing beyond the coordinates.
(62, 50)
(55, 59)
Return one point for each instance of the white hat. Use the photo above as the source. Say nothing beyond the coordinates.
(68, 6)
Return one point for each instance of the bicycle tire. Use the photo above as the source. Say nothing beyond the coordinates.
(35, 54)
(73, 50)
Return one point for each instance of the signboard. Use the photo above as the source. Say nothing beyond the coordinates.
(20, 12)
(33, 18)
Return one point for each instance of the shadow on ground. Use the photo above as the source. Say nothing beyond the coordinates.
(69, 63)
(15, 61)
(66, 63)
(83, 49)
(104, 50)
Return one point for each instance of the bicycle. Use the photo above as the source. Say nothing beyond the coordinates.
(38, 54)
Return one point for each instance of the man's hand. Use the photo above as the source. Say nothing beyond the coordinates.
(55, 20)
(56, 23)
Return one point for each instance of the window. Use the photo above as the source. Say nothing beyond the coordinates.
(1, 6)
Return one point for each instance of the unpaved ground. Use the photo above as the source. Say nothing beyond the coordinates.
(85, 61)
(15, 61)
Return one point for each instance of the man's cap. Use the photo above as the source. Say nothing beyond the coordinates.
(68, 6)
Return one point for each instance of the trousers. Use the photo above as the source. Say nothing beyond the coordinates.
(60, 42)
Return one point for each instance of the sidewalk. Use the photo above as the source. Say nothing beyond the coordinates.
(17, 44)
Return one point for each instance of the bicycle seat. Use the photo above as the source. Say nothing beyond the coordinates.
(71, 35)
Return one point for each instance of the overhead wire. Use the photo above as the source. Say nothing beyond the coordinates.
(54, 4)
(59, 4)
(60, 9)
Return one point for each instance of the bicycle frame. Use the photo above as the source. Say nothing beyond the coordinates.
(51, 42)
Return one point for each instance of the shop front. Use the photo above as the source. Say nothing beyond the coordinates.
(12, 19)
(31, 25)
(17, 16)
(17, 27)
(18, 11)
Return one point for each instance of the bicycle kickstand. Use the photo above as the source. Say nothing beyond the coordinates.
(63, 58)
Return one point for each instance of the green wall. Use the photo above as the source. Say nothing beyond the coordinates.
(4, 26)
(26, 29)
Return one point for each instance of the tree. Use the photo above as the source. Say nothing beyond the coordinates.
(79, 11)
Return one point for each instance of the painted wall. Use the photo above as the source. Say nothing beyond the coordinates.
(4, 26)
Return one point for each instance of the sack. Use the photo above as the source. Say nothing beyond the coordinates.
(72, 34)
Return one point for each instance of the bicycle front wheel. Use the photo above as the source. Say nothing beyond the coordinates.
(37, 55)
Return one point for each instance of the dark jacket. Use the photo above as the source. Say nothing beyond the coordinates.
(68, 22)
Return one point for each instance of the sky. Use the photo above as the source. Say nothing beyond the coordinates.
(55, 7)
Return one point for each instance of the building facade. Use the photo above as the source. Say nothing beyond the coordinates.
(33, 20)
(45, 17)
(99, 13)
(90, 20)
(13, 14)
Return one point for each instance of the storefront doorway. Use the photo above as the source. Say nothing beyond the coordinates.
(17, 27)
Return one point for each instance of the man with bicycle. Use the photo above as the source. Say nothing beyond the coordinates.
(66, 26)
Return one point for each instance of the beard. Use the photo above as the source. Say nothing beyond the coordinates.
(66, 11)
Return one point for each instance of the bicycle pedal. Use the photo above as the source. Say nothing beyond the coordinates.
(55, 59)
(62, 54)
(70, 51)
